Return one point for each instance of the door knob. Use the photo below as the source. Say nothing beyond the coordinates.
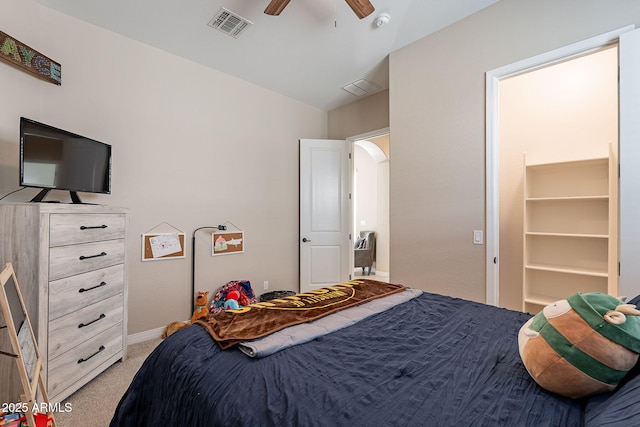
(305, 240)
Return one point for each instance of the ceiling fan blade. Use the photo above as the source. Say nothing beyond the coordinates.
(276, 6)
(362, 8)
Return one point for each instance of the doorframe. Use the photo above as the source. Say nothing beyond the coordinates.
(492, 80)
(352, 140)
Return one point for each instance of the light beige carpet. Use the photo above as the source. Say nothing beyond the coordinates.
(94, 404)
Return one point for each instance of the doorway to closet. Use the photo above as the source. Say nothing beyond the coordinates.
(628, 45)
(561, 113)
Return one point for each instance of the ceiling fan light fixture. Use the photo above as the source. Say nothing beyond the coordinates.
(362, 8)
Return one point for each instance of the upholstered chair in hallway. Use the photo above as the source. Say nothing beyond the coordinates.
(365, 250)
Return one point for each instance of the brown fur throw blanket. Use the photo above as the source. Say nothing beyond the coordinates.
(229, 328)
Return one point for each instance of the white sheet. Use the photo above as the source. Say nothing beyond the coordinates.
(305, 332)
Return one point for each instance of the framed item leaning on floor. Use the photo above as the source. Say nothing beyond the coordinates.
(24, 346)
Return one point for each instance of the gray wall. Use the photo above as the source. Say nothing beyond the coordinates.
(437, 120)
(182, 159)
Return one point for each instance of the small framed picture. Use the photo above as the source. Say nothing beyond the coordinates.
(160, 246)
(227, 242)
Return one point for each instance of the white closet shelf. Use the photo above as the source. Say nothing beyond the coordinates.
(572, 235)
(570, 229)
(568, 270)
(567, 198)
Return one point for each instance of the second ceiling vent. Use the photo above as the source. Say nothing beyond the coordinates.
(361, 87)
(229, 23)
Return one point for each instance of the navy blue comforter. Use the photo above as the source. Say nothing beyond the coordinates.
(434, 361)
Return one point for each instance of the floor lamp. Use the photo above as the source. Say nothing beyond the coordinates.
(193, 261)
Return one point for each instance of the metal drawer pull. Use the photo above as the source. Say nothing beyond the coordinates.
(92, 256)
(84, 227)
(82, 325)
(81, 290)
(99, 350)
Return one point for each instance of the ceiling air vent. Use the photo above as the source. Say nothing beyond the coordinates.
(229, 23)
(361, 87)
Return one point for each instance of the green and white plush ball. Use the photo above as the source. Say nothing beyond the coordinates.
(581, 346)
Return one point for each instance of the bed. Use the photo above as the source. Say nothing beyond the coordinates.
(431, 360)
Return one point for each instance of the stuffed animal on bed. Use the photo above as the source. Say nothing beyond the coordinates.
(172, 328)
(231, 303)
(244, 291)
(581, 346)
(202, 309)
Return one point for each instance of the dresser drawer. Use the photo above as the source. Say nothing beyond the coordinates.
(75, 328)
(67, 229)
(71, 366)
(65, 261)
(75, 292)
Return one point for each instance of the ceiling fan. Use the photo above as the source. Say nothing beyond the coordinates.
(361, 8)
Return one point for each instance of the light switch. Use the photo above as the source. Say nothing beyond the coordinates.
(477, 237)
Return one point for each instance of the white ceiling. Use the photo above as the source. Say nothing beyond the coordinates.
(308, 52)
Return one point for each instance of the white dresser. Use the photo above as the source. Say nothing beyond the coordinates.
(70, 264)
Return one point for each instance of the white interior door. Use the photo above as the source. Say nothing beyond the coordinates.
(325, 245)
(629, 211)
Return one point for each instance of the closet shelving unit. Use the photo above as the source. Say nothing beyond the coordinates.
(570, 229)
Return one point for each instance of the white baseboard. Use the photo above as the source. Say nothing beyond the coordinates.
(357, 271)
(151, 334)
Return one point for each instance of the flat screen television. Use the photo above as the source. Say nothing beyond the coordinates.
(54, 159)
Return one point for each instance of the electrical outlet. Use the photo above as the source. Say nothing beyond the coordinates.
(266, 284)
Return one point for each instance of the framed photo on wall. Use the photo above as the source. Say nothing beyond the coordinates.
(227, 242)
(161, 246)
